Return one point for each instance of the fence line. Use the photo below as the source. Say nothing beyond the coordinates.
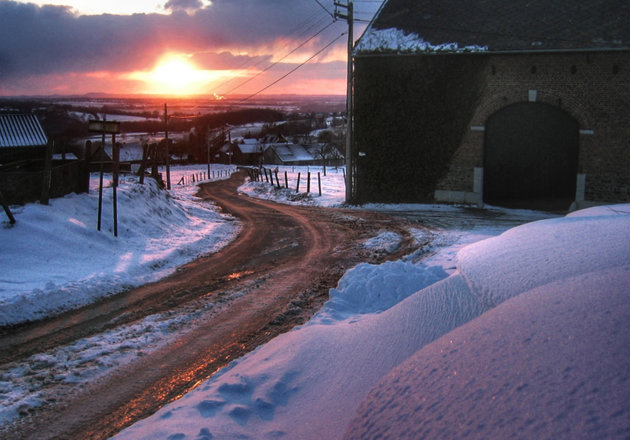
(265, 175)
(200, 176)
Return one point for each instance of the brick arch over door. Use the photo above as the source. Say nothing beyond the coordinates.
(530, 157)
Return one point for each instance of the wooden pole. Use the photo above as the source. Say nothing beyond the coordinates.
(286, 180)
(297, 189)
(308, 182)
(115, 153)
(168, 154)
(143, 164)
(319, 183)
(45, 196)
(100, 177)
(5, 205)
(349, 97)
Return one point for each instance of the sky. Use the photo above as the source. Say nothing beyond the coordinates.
(181, 47)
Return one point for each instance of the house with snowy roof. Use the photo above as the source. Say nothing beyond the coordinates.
(247, 152)
(287, 154)
(503, 102)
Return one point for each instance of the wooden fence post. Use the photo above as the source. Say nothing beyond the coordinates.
(143, 164)
(286, 180)
(297, 189)
(5, 205)
(319, 182)
(47, 175)
(308, 182)
(116, 154)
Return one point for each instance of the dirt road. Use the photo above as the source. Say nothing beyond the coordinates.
(283, 263)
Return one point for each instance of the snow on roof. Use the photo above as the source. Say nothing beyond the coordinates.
(21, 131)
(506, 25)
(249, 148)
(291, 152)
(396, 40)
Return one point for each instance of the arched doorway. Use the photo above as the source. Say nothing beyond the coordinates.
(531, 157)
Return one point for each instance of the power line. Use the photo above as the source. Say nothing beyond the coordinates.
(253, 63)
(294, 69)
(280, 60)
(325, 8)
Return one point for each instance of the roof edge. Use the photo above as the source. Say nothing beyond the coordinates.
(366, 54)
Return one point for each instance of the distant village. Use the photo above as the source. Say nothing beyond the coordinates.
(48, 149)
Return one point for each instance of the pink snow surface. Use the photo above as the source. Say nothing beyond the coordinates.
(551, 361)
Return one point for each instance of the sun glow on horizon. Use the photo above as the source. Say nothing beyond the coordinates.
(177, 75)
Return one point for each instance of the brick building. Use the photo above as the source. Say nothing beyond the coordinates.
(505, 102)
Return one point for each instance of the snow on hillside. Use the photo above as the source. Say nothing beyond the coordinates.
(54, 259)
(308, 383)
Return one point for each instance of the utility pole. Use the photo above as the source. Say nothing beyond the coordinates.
(168, 153)
(349, 17)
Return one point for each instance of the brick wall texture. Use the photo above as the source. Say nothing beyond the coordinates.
(592, 87)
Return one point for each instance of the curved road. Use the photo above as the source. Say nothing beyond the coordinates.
(284, 260)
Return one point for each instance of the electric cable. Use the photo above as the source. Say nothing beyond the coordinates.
(294, 69)
(280, 59)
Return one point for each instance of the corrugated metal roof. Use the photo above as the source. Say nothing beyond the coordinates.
(21, 131)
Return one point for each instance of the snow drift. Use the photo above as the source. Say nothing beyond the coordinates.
(553, 355)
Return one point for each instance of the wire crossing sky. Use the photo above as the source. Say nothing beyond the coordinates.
(173, 47)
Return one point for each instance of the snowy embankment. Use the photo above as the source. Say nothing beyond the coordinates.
(54, 259)
(527, 337)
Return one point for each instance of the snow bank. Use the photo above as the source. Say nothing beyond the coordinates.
(541, 252)
(559, 342)
(307, 383)
(396, 40)
(552, 362)
(54, 259)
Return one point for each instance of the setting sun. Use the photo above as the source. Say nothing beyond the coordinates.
(176, 75)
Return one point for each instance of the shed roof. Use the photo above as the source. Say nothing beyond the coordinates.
(21, 131)
(508, 25)
(291, 153)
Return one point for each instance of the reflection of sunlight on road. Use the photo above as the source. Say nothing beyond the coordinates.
(123, 262)
(237, 275)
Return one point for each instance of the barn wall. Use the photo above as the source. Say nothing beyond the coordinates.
(594, 88)
(411, 114)
(420, 120)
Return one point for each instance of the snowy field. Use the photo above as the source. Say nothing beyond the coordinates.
(54, 259)
(496, 334)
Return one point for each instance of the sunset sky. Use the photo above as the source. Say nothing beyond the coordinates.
(179, 47)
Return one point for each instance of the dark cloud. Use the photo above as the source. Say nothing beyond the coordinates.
(223, 34)
(229, 61)
(183, 5)
(40, 40)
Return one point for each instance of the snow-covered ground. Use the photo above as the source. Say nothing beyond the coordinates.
(495, 334)
(54, 259)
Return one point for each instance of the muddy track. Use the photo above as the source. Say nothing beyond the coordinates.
(285, 260)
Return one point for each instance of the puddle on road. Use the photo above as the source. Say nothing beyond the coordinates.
(239, 275)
